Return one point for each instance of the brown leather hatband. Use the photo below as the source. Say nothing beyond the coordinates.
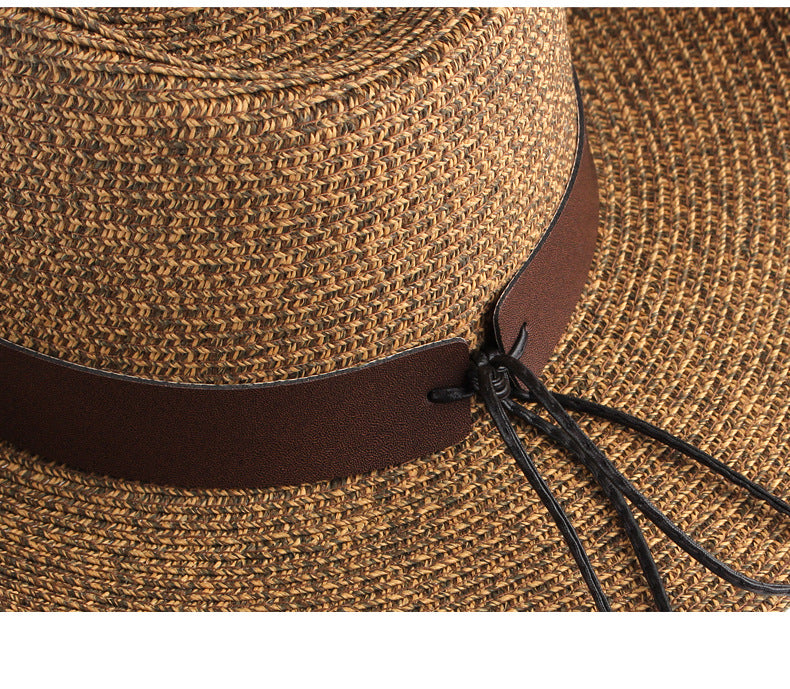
(305, 430)
(544, 293)
(227, 436)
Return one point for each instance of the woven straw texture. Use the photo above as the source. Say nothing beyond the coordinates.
(230, 196)
(683, 321)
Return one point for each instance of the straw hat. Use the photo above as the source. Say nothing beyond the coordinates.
(236, 243)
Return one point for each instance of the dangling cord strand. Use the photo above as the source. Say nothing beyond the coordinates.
(673, 442)
(496, 409)
(491, 376)
(630, 525)
(583, 446)
(498, 390)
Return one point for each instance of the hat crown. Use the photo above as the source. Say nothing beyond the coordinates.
(263, 194)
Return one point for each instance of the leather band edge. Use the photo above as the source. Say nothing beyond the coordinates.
(544, 292)
(234, 436)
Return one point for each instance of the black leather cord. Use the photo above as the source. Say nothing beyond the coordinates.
(630, 525)
(640, 426)
(488, 391)
(492, 377)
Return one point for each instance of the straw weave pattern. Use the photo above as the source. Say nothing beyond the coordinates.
(684, 321)
(231, 196)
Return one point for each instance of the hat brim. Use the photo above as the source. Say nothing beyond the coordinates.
(683, 322)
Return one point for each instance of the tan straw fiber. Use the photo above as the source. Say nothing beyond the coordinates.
(268, 194)
(683, 320)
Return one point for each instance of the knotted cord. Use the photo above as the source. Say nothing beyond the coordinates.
(494, 375)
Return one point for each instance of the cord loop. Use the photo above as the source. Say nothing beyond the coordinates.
(505, 384)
